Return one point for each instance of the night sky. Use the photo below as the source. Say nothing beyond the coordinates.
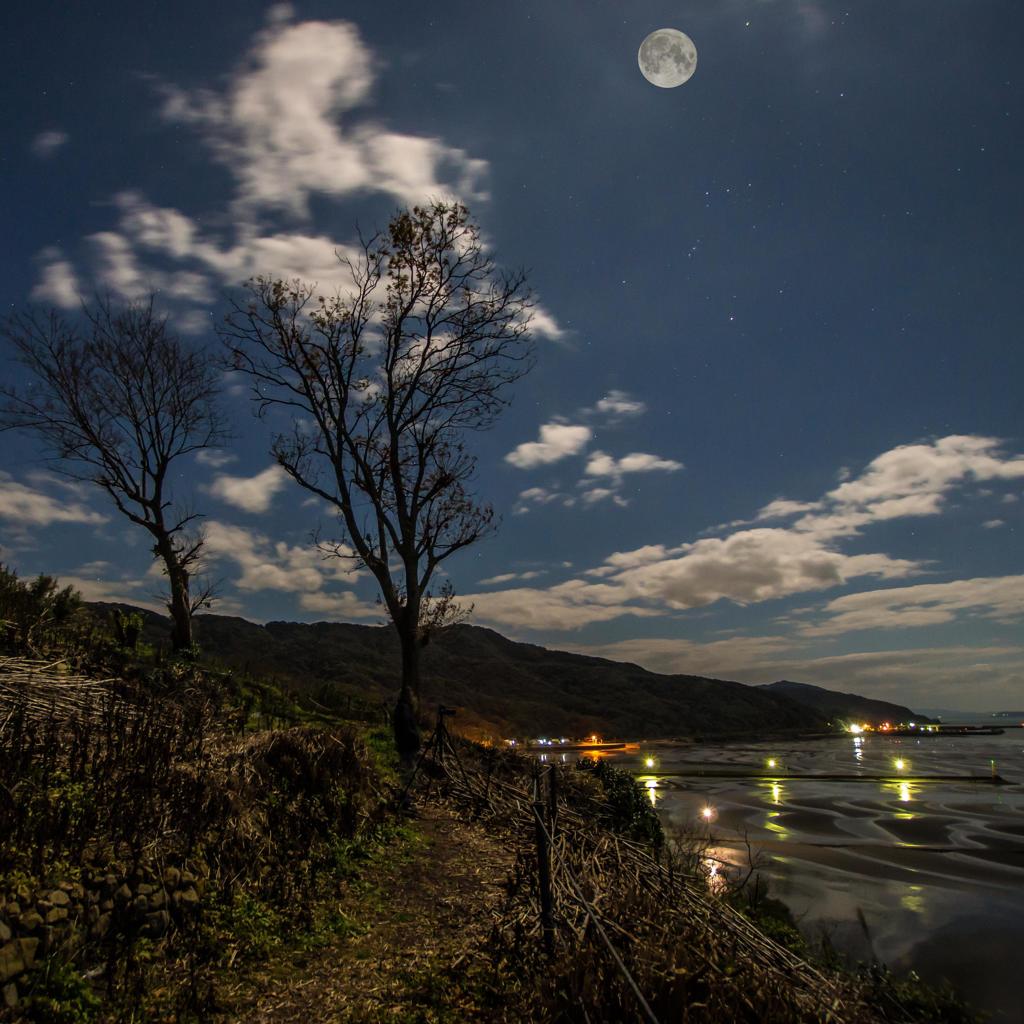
(775, 428)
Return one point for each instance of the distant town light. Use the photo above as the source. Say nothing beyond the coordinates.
(856, 729)
(900, 764)
(771, 762)
(708, 813)
(649, 762)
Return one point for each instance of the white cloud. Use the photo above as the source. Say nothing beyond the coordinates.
(767, 563)
(58, 283)
(273, 565)
(28, 507)
(597, 494)
(251, 494)
(45, 144)
(557, 441)
(508, 577)
(1009, 499)
(286, 128)
(543, 322)
(340, 605)
(751, 566)
(993, 524)
(122, 591)
(214, 457)
(568, 605)
(909, 480)
(722, 659)
(929, 604)
(620, 403)
(601, 464)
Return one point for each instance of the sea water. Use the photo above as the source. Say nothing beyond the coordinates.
(921, 875)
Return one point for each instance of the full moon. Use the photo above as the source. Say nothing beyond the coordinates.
(667, 58)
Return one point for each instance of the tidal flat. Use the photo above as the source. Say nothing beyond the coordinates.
(921, 875)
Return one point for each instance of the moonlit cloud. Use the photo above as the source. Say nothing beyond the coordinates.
(620, 403)
(266, 564)
(286, 126)
(215, 457)
(566, 606)
(999, 598)
(26, 507)
(557, 441)
(252, 493)
(58, 283)
(600, 464)
(340, 605)
(45, 144)
(508, 577)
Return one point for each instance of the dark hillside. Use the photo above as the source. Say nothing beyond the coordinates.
(505, 688)
(845, 706)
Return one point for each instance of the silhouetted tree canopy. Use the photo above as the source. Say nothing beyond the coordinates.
(117, 400)
(384, 380)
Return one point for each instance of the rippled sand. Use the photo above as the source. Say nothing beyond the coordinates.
(936, 868)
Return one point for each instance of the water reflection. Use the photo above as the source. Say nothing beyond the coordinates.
(652, 791)
(913, 899)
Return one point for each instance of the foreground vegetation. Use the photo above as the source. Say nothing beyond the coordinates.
(184, 843)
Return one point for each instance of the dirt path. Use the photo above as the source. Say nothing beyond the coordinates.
(418, 923)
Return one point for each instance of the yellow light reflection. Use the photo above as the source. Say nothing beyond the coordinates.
(652, 791)
(905, 792)
(913, 899)
(716, 877)
(776, 793)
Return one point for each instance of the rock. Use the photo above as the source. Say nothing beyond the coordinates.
(187, 899)
(108, 886)
(56, 915)
(145, 889)
(123, 895)
(106, 906)
(157, 900)
(172, 878)
(140, 905)
(156, 924)
(13, 909)
(10, 996)
(5, 933)
(17, 957)
(101, 927)
(22, 894)
(59, 898)
(68, 887)
(30, 922)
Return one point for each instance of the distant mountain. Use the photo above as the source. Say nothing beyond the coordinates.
(843, 706)
(501, 687)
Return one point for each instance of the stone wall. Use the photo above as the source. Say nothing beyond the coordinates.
(144, 901)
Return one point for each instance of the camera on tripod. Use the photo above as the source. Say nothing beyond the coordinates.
(444, 712)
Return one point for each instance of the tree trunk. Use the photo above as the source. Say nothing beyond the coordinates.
(179, 606)
(410, 666)
(404, 719)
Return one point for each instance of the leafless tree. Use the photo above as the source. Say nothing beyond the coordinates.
(383, 381)
(117, 400)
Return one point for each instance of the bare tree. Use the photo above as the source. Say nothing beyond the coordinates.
(383, 381)
(117, 400)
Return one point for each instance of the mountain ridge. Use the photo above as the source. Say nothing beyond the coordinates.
(503, 687)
